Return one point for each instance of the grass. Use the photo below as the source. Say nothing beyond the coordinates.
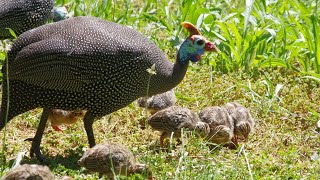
(266, 53)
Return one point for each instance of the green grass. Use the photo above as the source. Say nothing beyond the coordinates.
(269, 62)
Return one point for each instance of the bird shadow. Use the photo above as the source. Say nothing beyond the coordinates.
(69, 160)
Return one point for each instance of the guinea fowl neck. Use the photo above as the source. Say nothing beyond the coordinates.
(172, 75)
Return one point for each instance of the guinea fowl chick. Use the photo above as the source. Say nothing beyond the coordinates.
(220, 123)
(173, 119)
(58, 117)
(112, 159)
(243, 122)
(29, 171)
(158, 102)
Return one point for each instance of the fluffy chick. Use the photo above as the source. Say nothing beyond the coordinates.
(173, 119)
(112, 159)
(220, 123)
(158, 102)
(243, 122)
(58, 117)
(29, 171)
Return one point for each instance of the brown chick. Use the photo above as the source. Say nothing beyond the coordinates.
(243, 122)
(57, 117)
(220, 123)
(158, 102)
(29, 171)
(112, 159)
(173, 119)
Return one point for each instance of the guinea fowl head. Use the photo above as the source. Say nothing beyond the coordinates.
(60, 13)
(194, 46)
(202, 128)
(242, 130)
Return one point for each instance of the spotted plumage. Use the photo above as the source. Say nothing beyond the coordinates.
(22, 15)
(112, 159)
(220, 123)
(243, 121)
(173, 119)
(85, 63)
(158, 102)
(29, 171)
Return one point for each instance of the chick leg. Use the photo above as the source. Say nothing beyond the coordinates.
(35, 147)
(162, 137)
(88, 121)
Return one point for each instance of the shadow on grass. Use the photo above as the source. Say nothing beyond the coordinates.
(69, 160)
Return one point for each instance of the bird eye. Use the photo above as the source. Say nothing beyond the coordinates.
(200, 42)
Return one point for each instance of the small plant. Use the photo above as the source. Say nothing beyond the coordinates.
(269, 99)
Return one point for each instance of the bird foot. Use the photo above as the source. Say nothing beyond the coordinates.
(57, 128)
(35, 149)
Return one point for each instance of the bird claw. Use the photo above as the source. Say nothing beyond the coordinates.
(36, 150)
(57, 128)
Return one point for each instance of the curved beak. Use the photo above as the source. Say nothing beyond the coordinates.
(210, 47)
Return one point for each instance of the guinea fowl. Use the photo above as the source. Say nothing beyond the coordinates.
(23, 15)
(60, 13)
(29, 171)
(173, 119)
(243, 122)
(112, 159)
(85, 63)
(58, 117)
(158, 102)
(220, 123)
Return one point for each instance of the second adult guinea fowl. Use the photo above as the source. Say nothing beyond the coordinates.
(85, 63)
(22, 15)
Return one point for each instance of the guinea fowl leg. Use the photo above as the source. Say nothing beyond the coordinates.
(35, 147)
(88, 121)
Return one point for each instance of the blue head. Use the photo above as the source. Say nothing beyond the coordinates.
(60, 13)
(194, 46)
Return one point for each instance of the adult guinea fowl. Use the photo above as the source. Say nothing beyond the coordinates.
(22, 15)
(85, 63)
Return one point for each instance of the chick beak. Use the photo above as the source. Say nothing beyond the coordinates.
(210, 47)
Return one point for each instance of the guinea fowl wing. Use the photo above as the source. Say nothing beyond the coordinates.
(57, 61)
